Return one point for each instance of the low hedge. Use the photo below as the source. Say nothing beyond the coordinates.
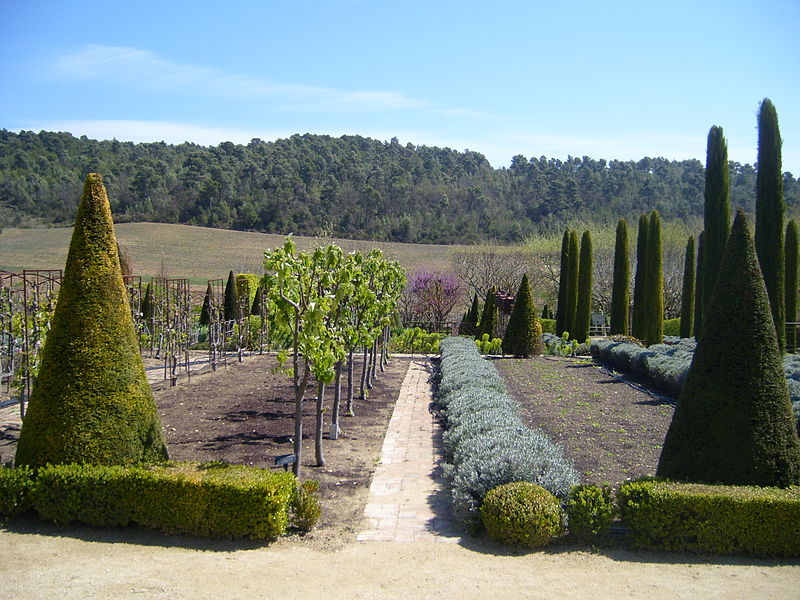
(716, 519)
(212, 499)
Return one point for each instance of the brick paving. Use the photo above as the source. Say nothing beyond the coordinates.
(408, 500)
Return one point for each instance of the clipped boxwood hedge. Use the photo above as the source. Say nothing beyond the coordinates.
(717, 519)
(212, 499)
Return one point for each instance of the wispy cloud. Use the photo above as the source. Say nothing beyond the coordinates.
(145, 70)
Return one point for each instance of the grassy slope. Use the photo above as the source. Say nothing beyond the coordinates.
(197, 253)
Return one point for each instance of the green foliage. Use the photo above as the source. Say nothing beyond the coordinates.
(770, 209)
(563, 281)
(573, 271)
(560, 346)
(212, 499)
(674, 327)
(489, 317)
(91, 402)
(247, 285)
(733, 423)
(148, 309)
(621, 294)
(15, 490)
(231, 302)
(654, 282)
(523, 336)
(489, 347)
(687, 293)
(792, 274)
(205, 311)
(590, 512)
(712, 518)
(306, 507)
(716, 211)
(548, 325)
(698, 287)
(639, 316)
(521, 513)
(583, 310)
(416, 341)
(469, 325)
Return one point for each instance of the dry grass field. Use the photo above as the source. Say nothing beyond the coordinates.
(197, 253)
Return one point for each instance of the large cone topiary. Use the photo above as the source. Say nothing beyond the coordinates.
(733, 423)
(91, 402)
(523, 336)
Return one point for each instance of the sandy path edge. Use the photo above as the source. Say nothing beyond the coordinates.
(45, 565)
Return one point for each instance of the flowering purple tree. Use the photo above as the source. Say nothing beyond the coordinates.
(431, 296)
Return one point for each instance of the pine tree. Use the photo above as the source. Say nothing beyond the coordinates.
(621, 292)
(205, 312)
(687, 294)
(733, 423)
(770, 209)
(572, 284)
(639, 282)
(563, 278)
(489, 316)
(231, 307)
(91, 402)
(654, 320)
(792, 281)
(698, 286)
(716, 211)
(523, 336)
(583, 312)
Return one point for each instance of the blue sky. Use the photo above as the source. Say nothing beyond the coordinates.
(603, 79)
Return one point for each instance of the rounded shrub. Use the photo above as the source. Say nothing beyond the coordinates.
(521, 513)
(591, 511)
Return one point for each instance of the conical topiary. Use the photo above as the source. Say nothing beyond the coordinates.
(255, 309)
(469, 325)
(489, 316)
(523, 336)
(205, 311)
(231, 306)
(91, 402)
(733, 423)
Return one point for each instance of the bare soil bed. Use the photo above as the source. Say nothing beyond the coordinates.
(611, 430)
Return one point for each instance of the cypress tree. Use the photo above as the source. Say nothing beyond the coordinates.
(698, 286)
(91, 402)
(654, 320)
(231, 307)
(469, 326)
(255, 309)
(639, 282)
(687, 294)
(792, 281)
(205, 312)
(572, 284)
(716, 210)
(546, 314)
(770, 211)
(733, 423)
(583, 312)
(489, 316)
(148, 310)
(561, 306)
(523, 336)
(621, 291)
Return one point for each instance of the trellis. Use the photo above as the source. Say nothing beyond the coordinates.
(27, 303)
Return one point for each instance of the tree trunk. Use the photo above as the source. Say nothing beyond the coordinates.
(337, 401)
(318, 432)
(350, 362)
(365, 365)
(300, 385)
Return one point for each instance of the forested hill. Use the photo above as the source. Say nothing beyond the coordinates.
(351, 187)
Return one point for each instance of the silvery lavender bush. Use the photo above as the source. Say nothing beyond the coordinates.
(486, 443)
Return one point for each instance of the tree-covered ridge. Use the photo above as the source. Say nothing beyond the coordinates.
(350, 186)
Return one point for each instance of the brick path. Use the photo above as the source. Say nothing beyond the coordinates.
(408, 501)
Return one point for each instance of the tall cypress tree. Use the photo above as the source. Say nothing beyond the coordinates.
(698, 286)
(489, 316)
(770, 211)
(792, 282)
(654, 321)
(716, 210)
(639, 281)
(572, 283)
(687, 294)
(621, 292)
(91, 402)
(583, 312)
(561, 306)
(231, 308)
(733, 423)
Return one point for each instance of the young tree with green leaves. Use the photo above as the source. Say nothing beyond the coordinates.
(716, 210)
(733, 423)
(91, 402)
(583, 311)
(770, 209)
(687, 294)
(621, 292)
(523, 335)
(792, 274)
